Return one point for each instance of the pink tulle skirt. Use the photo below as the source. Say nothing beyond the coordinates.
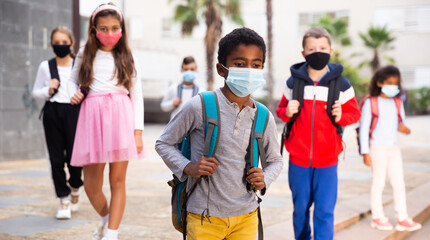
(105, 130)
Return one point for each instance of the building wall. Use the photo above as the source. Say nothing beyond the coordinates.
(25, 27)
(410, 47)
(167, 48)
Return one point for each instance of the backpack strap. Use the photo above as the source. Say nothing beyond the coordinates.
(210, 113)
(53, 70)
(256, 143)
(211, 121)
(179, 91)
(257, 149)
(298, 94)
(195, 90)
(398, 102)
(375, 114)
(333, 95)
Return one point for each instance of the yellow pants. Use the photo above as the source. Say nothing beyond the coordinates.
(241, 227)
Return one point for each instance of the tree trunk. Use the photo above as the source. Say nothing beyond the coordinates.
(213, 34)
(269, 14)
(375, 61)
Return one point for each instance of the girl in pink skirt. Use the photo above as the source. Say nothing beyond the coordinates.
(110, 123)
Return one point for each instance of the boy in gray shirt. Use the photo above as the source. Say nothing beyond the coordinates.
(232, 208)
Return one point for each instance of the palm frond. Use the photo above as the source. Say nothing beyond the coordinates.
(364, 63)
(390, 60)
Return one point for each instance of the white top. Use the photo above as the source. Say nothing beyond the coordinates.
(172, 93)
(386, 129)
(43, 77)
(104, 80)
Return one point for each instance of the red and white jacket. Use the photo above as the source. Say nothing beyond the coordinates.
(313, 140)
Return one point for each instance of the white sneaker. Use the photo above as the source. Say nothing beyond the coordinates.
(64, 210)
(99, 233)
(74, 199)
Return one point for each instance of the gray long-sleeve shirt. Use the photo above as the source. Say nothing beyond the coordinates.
(228, 196)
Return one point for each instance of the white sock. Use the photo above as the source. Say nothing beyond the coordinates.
(111, 234)
(65, 199)
(104, 220)
(75, 192)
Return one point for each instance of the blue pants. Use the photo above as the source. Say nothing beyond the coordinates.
(313, 185)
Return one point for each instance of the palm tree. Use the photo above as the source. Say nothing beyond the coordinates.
(378, 39)
(338, 29)
(269, 14)
(187, 15)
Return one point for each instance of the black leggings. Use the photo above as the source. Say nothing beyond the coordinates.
(59, 121)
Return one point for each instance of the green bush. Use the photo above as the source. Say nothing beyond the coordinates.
(359, 83)
(419, 100)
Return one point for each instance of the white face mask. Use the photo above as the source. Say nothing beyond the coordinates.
(244, 81)
(390, 90)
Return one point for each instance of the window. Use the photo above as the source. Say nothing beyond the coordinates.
(415, 77)
(411, 19)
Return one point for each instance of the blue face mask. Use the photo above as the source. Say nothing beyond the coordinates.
(390, 90)
(189, 76)
(244, 81)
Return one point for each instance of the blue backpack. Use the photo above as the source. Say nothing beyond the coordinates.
(211, 119)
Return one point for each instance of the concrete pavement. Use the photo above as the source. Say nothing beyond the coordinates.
(28, 204)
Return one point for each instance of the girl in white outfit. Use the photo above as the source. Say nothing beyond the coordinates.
(384, 155)
(59, 119)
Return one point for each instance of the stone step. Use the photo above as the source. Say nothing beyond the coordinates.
(424, 233)
(347, 212)
(418, 208)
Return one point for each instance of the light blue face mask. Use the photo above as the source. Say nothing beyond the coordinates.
(390, 90)
(189, 76)
(244, 81)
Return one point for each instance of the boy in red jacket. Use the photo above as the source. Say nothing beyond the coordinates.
(314, 143)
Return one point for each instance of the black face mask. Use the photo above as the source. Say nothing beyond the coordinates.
(318, 60)
(61, 50)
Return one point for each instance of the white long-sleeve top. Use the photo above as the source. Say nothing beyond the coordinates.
(105, 80)
(172, 93)
(41, 84)
(386, 129)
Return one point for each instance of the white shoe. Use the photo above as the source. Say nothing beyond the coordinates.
(74, 199)
(105, 238)
(408, 225)
(99, 233)
(64, 210)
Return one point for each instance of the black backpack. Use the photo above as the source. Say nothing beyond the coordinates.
(298, 94)
(53, 70)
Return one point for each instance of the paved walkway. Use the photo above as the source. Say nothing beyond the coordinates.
(28, 205)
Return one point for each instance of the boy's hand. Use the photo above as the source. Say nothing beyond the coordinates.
(337, 111)
(77, 97)
(256, 178)
(404, 129)
(292, 108)
(205, 166)
(138, 139)
(176, 102)
(367, 160)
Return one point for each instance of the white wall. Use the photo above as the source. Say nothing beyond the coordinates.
(160, 52)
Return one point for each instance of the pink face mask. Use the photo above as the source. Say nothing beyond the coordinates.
(109, 40)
